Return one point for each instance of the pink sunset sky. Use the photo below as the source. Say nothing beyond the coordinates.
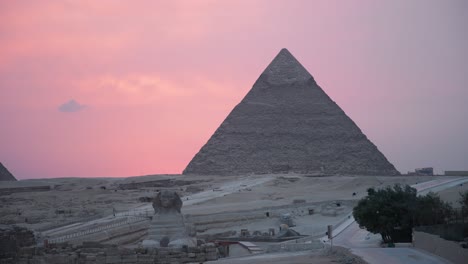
(124, 88)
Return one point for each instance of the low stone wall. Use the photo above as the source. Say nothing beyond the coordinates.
(106, 232)
(434, 244)
(6, 191)
(12, 239)
(456, 173)
(104, 254)
(163, 183)
(283, 247)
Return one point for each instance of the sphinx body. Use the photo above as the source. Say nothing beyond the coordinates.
(168, 227)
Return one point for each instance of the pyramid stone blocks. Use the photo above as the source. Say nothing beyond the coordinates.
(287, 123)
(5, 175)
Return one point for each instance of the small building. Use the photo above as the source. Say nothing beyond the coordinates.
(456, 173)
(286, 219)
(429, 171)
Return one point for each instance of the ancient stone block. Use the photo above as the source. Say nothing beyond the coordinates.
(129, 258)
(211, 256)
(113, 259)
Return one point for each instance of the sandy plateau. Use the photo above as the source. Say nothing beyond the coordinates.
(117, 210)
(215, 204)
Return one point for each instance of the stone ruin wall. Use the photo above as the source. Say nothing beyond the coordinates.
(122, 232)
(109, 254)
(7, 191)
(12, 239)
(18, 245)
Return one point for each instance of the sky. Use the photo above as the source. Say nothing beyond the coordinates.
(124, 88)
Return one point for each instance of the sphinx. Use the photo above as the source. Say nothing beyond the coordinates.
(168, 227)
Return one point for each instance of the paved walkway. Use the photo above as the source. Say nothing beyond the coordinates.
(397, 256)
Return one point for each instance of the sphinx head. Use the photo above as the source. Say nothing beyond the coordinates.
(166, 201)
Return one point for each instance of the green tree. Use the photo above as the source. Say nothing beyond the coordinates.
(464, 203)
(431, 210)
(387, 211)
(464, 200)
(392, 212)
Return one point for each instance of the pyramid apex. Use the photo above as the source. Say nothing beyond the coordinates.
(286, 69)
(286, 52)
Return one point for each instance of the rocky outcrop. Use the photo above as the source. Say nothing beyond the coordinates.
(5, 175)
(287, 123)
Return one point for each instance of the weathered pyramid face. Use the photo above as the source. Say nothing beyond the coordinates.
(5, 175)
(287, 123)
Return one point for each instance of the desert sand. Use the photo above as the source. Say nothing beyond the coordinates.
(234, 198)
(219, 207)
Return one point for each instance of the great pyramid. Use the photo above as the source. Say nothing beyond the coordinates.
(5, 175)
(287, 123)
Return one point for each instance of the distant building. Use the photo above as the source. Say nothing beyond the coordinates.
(428, 171)
(456, 173)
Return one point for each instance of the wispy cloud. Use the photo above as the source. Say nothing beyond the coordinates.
(71, 107)
(134, 89)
